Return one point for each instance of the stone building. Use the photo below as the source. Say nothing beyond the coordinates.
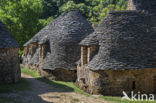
(9, 60)
(121, 54)
(54, 51)
(145, 5)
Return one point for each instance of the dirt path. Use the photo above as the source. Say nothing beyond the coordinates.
(44, 93)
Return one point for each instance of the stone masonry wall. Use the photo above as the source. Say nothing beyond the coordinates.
(113, 83)
(59, 74)
(87, 52)
(83, 55)
(91, 52)
(9, 65)
(130, 5)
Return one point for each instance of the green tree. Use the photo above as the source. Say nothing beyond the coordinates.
(22, 18)
(50, 8)
(70, 5)
(25, 18)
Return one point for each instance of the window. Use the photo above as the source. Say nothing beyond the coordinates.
(133, 85)
(87, 53)
(84, 52)
(92, 50)
(25, 51)
(41, 51)
(44, 49)
(33, 49)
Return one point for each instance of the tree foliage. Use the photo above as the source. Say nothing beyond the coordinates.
(22, 18)
(25, 18)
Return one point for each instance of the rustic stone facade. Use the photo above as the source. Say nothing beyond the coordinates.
(59, 74)
(29, 52)
(87, 52)
(55, 50)
(9, 65)
(26, 56)
(126, 57)
(130, 5)
(114, 82)
(142, 5)
(33, 47)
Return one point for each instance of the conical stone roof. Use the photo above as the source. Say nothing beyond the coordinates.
(63, 41)
(62, 37)
(42, 33)
(127, 40)
(6, 41)
(146, 5)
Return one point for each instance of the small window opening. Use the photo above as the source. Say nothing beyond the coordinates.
(41, 51)
(133, 85)
(33, 49)
(44, 49)
(84, 55)
(92, 50)
(25, 51)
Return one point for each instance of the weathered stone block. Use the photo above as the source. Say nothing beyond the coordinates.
(9, 65)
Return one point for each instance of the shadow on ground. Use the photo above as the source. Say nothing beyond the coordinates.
(59, 87)
(40, 90)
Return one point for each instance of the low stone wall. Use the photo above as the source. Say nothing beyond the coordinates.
(114, 82)
(9, 65)
(59, 74)
(130, 5)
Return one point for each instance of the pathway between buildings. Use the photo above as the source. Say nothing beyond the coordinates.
(44, 93)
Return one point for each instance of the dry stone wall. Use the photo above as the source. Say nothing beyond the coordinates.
(9, 65)
(114, 82)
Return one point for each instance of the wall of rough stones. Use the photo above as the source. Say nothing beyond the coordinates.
(59, 74)
(29, 52)
(9, 65)
(87, 53)
(130, 5)
(114, 82)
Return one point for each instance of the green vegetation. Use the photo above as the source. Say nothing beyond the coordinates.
(75, 100)
(19, 86)
(30, 72)
(67, 86)
(24, 18)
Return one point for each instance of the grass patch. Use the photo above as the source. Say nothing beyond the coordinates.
(71, 87)
(75, 100)
(68, 86)
(19, 86)
(32, 73)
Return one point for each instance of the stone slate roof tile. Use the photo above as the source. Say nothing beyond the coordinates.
(6, 41)
(146, 5)
(90, 40)
(62, 36)
(126, 41)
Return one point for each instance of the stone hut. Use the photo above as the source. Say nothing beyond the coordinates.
(31, 50)
(57, 50)
(9, 60)
(142, 5)
(120, 55)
